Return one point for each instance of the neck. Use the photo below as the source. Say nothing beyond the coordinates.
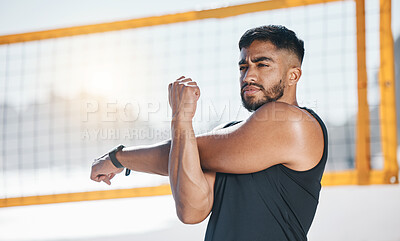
(289, 96)
(290, 101)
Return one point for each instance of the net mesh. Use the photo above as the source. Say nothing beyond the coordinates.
(65, 101)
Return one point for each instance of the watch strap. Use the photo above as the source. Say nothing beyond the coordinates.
(114, 158)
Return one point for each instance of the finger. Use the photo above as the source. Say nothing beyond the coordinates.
(183, 80)
(93, 176)
(105, 179)
(195, 88)
(186, 80)
(191, 85)
(111, 176)
(96, 179)
(182, 77)
(197, 92)
(194, 83)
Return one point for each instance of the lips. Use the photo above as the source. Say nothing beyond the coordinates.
(250, 90)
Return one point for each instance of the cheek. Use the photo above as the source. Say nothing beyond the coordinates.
(272, 75)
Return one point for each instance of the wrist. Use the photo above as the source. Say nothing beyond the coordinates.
(182, 116)
(119, 156)
(183, 124)
(115, 158)
(182, 129)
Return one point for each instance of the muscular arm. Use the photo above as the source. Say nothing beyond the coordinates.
(275, 133)
(192, 188)
(153, 159)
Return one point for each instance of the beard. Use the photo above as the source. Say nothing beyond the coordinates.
(272, 94)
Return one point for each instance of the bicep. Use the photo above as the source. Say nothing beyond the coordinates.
(239, 150)
(260, 142)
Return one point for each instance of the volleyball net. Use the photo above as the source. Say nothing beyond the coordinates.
(69, 95)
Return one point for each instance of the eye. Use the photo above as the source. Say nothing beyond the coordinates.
(262, 65)
(241, 68)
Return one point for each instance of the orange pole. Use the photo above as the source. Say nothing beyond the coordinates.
(363, 125)
(222, 12)
(86, 196)
(387, 91)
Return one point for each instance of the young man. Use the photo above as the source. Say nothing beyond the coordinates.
(259, 178)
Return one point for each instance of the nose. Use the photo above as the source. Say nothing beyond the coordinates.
(250, 76)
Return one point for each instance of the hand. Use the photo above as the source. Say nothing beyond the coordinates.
(104, 170)
(183, 96)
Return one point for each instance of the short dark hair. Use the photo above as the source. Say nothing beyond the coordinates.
(278, 35)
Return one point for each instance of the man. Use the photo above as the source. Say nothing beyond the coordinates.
(259, 178)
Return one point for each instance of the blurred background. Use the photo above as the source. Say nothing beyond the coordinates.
(66, 100)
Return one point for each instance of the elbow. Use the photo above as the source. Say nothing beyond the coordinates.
(188, 220)
(191, 215)
(191, 218)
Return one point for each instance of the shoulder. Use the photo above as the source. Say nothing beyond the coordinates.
(295, 128)
(282, 112)
(287, 115)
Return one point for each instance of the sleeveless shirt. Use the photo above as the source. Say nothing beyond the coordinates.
(275, 204)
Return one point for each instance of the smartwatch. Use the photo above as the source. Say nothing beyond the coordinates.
(114, 160)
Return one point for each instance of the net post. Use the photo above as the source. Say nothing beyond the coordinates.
(362, 159)
(387, 93)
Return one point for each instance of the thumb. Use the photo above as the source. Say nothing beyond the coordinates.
(197, 93)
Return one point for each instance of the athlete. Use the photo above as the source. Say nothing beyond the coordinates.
(259, 178)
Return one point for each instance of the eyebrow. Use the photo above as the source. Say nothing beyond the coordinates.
(259, 59)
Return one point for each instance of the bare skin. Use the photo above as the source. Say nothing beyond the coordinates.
(278, 132)
(191, 186)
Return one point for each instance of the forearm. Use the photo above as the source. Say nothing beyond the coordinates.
(190, 189)
(150, 158)
(154, 158)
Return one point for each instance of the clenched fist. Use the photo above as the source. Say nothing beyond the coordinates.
(183, 95)
(103, 169)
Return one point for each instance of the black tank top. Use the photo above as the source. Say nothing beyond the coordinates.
(275, 204)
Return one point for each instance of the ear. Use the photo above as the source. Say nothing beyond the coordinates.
(294, 75)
